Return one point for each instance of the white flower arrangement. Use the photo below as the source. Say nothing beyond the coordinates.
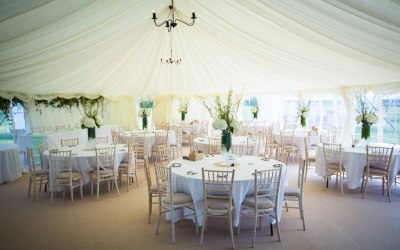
(87, 122)
(91, 114)
(224, 114)
(303, 111)
(183, 106)
(304, 108)
(366, 110)
(144, 112)
(254, 109)
(145, 105)
(220, 124)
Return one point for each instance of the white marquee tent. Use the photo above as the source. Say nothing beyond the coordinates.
(69, 48)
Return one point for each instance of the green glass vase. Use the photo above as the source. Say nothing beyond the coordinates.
(365, 130)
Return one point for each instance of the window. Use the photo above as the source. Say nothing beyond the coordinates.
(391, 117)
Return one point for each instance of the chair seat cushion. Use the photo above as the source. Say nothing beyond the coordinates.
(42, 172)
(65, 175)
(331, 166)
(377, 171)
(263, 203)
(103, 172)
(218, 204)
(292, 192)
(178, 198)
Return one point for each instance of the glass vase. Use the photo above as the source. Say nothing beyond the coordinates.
(183, 116)
(302, 121)
(365, 130)
(91, 137)
(226, 142)
(91, 133)
(144, 121)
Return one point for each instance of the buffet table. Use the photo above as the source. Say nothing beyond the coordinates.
(10, 163)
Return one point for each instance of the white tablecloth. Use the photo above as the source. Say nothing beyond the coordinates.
(188, 128)
(243, 182)
(201, 143)
(252, 129)
(298, 140)
(84, 159)
(10, 163)
(53, 139)
(150, 137)
(354, 160)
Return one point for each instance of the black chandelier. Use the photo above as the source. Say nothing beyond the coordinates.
(170, 60)
(170, 21)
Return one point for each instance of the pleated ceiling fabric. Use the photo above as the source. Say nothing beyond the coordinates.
(112, 48)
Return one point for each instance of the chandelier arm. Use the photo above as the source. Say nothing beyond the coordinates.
(158, 25)
(189, 24)
(166, 19)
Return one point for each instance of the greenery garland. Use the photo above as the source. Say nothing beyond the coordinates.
(60, 102)
(6, 106)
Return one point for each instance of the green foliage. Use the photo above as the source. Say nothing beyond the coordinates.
(6, 106)
(146, 103)
(60, 102)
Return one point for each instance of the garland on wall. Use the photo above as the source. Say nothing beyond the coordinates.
(60, 102)
(6, 106)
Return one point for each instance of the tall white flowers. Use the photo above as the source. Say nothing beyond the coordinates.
(224, 113)
(366, 110)
(91, 113)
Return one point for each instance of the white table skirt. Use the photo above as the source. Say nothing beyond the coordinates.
(201, 143)
(188, 128)
(354, 160)
(150, 137)
(53, 139)
(84, 159)
(298, 140)
(243, 182)
(10, 163)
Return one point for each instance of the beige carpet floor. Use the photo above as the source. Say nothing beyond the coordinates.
(333, 221)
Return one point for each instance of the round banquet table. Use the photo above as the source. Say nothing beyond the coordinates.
(354, 160)
(11, 167)
(150, 137)
(84, 159)
(201, 143)
(186, 182)
(298, 140)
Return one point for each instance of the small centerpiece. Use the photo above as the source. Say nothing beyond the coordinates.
(183, 108)
(254, 111)
(366, 115)
(224, 115)
(303, 111)
(91, 119)
(145, 105)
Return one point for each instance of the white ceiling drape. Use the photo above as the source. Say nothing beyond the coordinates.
(113, 48)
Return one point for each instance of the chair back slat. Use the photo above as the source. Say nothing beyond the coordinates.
(267, 184)
(332, 152)
(379, 157)
(105, 158)
(61, 163)
(69, 142)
